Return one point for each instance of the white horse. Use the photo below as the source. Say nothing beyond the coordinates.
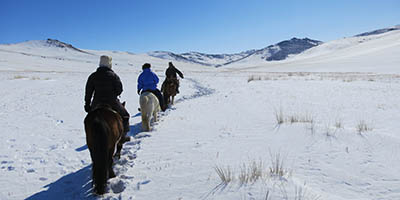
(149, 106)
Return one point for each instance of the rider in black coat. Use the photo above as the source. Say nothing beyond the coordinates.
(106, 86)
(171, 72)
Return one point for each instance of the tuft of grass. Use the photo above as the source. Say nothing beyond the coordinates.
(254, 78)
(296, 118)
(225, 174)
(362, 126)
(35, 78)
(251, 173)
(19, 77)
(277, 169)
(279, 116)
(307, 118)
(339, 124)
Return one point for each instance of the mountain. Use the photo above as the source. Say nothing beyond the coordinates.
(379, 31)
(279, 51)
(58, 44)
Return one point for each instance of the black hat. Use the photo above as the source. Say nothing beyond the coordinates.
(146, 66)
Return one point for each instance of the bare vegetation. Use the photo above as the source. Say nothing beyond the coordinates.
(331, 76)
(19, 77)
(277, 168)
(295, 118)
(339, 124)
(251, 173)
(362, 126)
(16, 77)
(225, 174)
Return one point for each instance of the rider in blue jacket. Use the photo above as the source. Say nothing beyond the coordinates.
(148, 81)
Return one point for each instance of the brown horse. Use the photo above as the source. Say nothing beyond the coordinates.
(168, 89)
(103, 127)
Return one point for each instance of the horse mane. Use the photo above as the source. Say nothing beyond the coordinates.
(104, 106)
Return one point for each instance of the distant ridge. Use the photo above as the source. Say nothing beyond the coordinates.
(59, 44)
(279, 51)
(379, 31)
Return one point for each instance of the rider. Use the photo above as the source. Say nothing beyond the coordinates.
(148, 81)
(171, 72)
(106, 86)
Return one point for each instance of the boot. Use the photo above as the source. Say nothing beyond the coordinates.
(177, 90)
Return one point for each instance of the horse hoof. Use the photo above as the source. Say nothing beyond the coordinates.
(126, 139)
(112, 174)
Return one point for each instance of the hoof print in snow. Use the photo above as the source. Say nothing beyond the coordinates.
(118, 186)
(30, 170)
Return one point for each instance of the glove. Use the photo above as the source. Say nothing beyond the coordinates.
(138, 92)
(87, 108)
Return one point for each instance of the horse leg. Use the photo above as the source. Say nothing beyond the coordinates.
(119, 147)
(145, 122)
(166, 99)
(111, 173)
(155, 117)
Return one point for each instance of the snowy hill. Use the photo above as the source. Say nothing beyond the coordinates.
(342, 55)
(31, 55)
(319, 125)
(279, 51)
(379, 31)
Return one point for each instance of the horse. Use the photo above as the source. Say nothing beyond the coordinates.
(149, 107)
(168, 89)
(104, 129)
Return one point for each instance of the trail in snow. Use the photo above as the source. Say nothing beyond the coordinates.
(78, 185)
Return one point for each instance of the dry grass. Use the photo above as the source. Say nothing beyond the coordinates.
(35, 78)
(225, 174)
(19, 77)
(281, 118)
(277, 168)
(27, 77)
(254, 78)
(339, 124)
(297, 118)
(362, 126)
(251, 173)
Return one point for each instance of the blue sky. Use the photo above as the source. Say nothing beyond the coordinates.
(209, 26)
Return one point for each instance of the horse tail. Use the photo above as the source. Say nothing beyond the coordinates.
(146, 110)
(100, 154)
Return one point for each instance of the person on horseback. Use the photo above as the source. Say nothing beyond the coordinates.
(148, 81)
(170, 74)
(104, 85)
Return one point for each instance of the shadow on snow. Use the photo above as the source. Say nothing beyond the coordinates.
(76, 185)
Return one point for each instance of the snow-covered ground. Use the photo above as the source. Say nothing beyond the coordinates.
(330, 117)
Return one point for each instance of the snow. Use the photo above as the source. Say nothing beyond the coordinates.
(224, 118)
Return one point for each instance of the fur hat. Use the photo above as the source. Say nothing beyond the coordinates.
(146, 66)
(105, 61)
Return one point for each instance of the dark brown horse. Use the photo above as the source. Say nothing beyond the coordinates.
(103, 127)
(168, 89)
